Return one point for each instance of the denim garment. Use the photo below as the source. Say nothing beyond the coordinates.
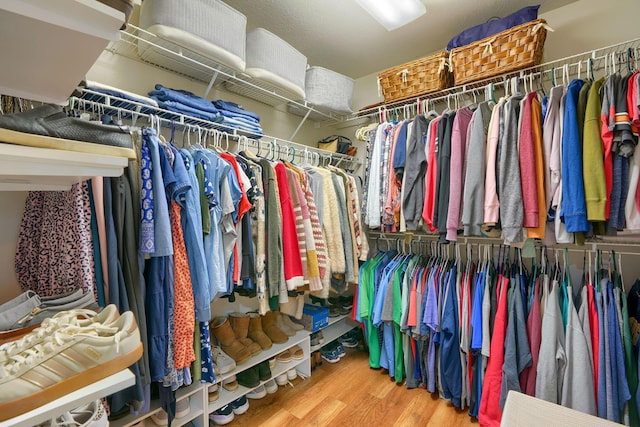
(182, 96)
(162, 224)
(159, 303)
(180, 108)
(237, 124)
(192, 229)
(242, 117)
(235, 108)
(214, 167)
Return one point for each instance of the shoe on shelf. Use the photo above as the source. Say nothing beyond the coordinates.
(346, 301)
(271, 386)
(348, 341)
(90, 415)
(272, 363)
(223, 415)
(221, 328)
(222, 361)
(280, 323)
(240, 405)
(318, 359)
(249, 377)
(230, 384)
(284, 357)
(318, 301)
(334, 311)
(292, 374)
(257, 393)
(275, 334)
(240, 325)
(48, 126)
(296, 352)
(282, 379)
(183, 408)
(313, 340)
(264, 372)
(340, 350)
(77, 317)
(291, 324)
(330, 356)
(343, 310)
(214, 392)
(70, 358)
(256, 333)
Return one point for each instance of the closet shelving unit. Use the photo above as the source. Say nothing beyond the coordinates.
(183, 61)
(615, 56)
(193, 128)
(337, 326)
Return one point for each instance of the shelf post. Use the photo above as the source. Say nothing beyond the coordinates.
(304, 119)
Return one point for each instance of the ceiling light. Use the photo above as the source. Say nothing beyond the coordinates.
(393, 14)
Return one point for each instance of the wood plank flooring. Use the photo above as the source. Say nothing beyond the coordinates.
(349, 393)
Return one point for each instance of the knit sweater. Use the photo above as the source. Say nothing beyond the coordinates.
(528, 165)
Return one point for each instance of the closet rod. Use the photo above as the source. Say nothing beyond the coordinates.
(130, 109)
(558, 64)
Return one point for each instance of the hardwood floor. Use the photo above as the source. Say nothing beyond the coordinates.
(349, 393)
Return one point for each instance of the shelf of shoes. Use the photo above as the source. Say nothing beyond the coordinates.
(301, 338)
(337, 327)
(75, 399)
(25, 168)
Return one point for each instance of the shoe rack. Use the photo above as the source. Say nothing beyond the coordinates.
(337, 327)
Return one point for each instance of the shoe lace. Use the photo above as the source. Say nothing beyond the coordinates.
(52, 343)
(46, 328)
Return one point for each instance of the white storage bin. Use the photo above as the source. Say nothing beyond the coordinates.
(272, 60)
(208, 27)
(328, 89)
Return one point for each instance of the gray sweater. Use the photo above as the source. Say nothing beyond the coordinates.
(473, 196)
(508, 164)
(414, 170)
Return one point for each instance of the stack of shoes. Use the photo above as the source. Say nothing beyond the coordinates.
(240, 325)
(317, 339)
(224, 333)
(213, 392)
(49, 126)
(351, 339)
(230, 384)
(89, 349)
(340, 306)
(26, 311)
(183, 407)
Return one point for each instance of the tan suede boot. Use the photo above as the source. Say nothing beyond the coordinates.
(290, 323)
(282, 326)
(256, 333)
(221, 328)
(273, 332)
(240, 326)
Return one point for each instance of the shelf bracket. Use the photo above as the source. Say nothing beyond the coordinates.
(304, 119)
(211, 82)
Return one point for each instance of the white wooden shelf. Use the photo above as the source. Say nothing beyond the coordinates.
(337, 327)
(55, 408)
(25, 168)
(52, 44)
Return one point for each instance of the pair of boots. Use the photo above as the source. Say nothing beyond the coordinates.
(285, 324)
(233, 334)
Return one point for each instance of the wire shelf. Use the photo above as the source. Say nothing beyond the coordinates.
(140, 45)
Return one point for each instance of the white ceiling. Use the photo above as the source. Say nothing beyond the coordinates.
(339, 35)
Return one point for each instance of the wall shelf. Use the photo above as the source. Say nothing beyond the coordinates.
(55, 408)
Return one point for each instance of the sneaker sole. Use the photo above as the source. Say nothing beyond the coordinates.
(272, 390)
(42, 141)
(241, 409)
(331, 360)
(257, 396)
(17, 407)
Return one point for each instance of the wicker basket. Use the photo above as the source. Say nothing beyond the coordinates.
(511, 50)
(415, 78)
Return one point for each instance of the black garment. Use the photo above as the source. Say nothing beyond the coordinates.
(444, 169)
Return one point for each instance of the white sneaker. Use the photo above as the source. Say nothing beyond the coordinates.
(223, 415)
(282, 379)
(222, 361)
(76, 317)
(271, 386)
(292, 374)
(257, 393)
(183, 407)
(90, 415)
(70, 358)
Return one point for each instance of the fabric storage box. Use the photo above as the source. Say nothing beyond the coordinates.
(510, 50)
(314, 317)
(208, 27)
(415, 78)
(274, 61)
(328, 89)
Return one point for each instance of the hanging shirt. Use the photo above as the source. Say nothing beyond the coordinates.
(595, 186)
(457, 171)
(431, 175)
(551, 138)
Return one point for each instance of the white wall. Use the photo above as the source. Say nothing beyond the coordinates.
(578, 27)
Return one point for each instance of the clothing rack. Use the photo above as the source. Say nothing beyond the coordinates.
(120, 108)
(612, 57)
